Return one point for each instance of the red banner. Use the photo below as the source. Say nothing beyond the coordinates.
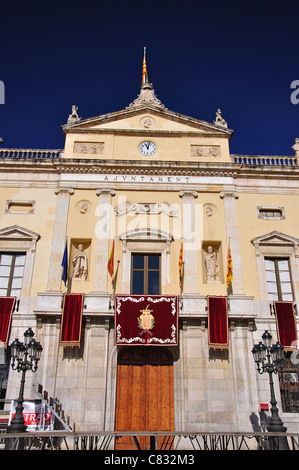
(150, 320)
(286, 325)
(71, 322)
(218, 322)
(6, 308)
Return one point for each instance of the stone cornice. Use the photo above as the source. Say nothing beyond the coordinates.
(49, 170)
(148, 132)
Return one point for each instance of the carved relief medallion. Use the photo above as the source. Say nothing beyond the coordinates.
(83, 207)
(209, 210)
(147, 122)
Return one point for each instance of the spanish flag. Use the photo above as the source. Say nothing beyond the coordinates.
(144, 70)
(181, 265)
(229, 274)
(111, 263)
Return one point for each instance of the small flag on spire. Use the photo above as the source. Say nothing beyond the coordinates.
(144, 70)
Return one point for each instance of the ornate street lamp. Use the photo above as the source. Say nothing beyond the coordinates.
(25, 356)
(269, 359)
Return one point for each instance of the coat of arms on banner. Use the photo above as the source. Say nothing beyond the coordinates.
(146, 320)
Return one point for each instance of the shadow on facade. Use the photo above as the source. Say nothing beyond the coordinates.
(259, 423)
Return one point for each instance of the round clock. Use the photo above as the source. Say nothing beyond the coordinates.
(147, 148)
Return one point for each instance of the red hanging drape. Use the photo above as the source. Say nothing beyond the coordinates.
(71, 322)
(6, 308)
(286, 325)
(218, 322)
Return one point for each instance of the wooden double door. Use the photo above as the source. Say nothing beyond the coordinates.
(144, 396)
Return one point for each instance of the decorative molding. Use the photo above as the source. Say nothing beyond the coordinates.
(146, 234)
(270, 209)
(26, 207)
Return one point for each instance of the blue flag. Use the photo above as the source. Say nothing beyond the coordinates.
(64, 264)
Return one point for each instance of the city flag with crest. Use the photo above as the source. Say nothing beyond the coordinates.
(150, 320)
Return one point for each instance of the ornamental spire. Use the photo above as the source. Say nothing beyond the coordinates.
(147, 94)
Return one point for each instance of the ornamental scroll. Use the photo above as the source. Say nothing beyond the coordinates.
(150, 320)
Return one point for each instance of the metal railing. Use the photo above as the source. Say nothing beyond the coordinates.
(158, 441)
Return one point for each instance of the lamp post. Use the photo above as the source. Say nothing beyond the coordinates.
(268, 359)
(25, 356)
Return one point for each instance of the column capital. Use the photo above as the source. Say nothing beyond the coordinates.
(231, 193)
(105, 191)
(62, 189)
(183, 193)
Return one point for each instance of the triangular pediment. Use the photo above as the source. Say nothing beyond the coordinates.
(275, 238)
(17, 232)
(147, 118)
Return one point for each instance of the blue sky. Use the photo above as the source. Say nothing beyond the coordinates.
(235, 55)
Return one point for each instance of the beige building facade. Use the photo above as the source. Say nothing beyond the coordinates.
(152, 181)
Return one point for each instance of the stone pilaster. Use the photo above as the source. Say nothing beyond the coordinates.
(103, 239)
(190, 281)
(229, 201)
(58, 240)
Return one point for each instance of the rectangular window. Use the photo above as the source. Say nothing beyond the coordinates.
(279, 279)
(11, 273)
(146, 273)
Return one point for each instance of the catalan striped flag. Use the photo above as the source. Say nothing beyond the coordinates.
(144, 70)
(181, 265)
(229, 274)
(111, 263)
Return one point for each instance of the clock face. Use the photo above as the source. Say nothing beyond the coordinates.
(147, 148)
